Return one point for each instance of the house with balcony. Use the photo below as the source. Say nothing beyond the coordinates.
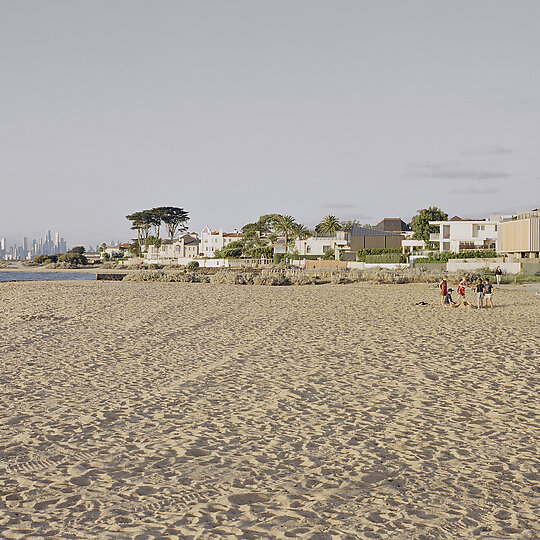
(519, 235)
(457, 235)
(211, 241)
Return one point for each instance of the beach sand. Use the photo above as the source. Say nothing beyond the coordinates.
(171, 410)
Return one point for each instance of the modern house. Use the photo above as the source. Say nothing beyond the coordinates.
(457, 235)
(319, 245)
(211, 241)
(185, 247)
(520, 235)
(364, 238)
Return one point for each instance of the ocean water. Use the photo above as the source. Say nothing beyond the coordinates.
(46, 276)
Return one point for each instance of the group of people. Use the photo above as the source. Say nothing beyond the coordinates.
(483, 290)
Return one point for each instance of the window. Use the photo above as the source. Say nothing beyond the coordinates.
(308, 249)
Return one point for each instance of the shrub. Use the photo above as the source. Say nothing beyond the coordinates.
(192, 265)
(160, 275)
(45, 259)
(232, 278)
(329, 254)
(271, 279)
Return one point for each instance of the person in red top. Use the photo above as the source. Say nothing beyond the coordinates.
(461, 288)
(443, 285)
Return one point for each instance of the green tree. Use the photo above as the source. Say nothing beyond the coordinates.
(285, 226)
(135, 249)
(329, 254)
(420, 222)
(328, 226)
(349, 224)
(73, 258)
(45, 259)
(175, 219)
(77, 249)
(233, 250)
(155, 216)
(141, 222)
(152, 241)
(264, 226)
(301, 232)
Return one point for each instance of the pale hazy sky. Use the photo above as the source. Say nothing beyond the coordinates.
(232, 109)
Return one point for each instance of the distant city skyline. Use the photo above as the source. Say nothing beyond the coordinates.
(27, 249)
(231, 110)
(49, 244)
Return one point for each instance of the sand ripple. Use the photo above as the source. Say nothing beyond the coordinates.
(157, 410)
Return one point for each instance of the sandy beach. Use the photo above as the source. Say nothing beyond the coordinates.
(177, 410)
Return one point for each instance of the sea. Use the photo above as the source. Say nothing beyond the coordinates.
(47, 276)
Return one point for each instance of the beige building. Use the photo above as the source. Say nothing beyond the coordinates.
(520, 235)
(185, 247)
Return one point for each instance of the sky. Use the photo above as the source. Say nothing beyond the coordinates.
(235, 108)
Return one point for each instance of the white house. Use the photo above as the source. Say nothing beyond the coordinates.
(409, 245)
(318, 245)
(211, 241)
(458, 234)
(185, 247)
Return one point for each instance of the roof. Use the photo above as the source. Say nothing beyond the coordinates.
(356, 230)
(392, 225)
(473, 221)
(457, 218)
(188, 240)
(229, 234)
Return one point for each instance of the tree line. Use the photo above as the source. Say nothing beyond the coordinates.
(147, 221)
(260, 236)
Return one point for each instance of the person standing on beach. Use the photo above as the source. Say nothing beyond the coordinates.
(461, 288)
(498, 274)
(479, 288)
(443, 285)
(488, 293)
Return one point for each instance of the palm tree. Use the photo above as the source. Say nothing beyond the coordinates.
(301, 232)
(328, 226)
(286, 226)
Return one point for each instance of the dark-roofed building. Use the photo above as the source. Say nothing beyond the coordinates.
(364, 238)
(396, 225)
